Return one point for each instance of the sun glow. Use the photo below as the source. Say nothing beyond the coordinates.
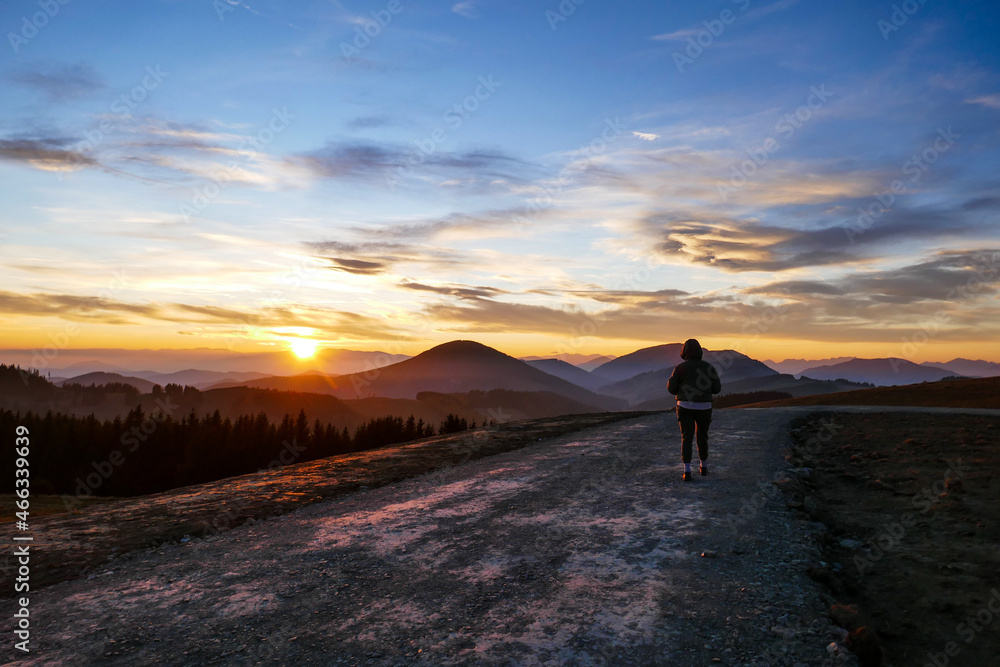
(303, 347)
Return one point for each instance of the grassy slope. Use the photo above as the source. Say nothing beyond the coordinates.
(965, 393)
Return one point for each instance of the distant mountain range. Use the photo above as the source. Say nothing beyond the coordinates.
(500, 405)
(594, 363)
(968, 367)
(455, 367)
(796, 366)
(144, 380)
(585, 361)
(866, 371)
(642, 376)
(575, 374)
(462, 366)
(197, 378)
(883, 372)
(98, 378)
(467, 378)
(730, 364)
(641, 361)
(70, 362)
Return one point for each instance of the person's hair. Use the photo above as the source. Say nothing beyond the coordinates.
(692, 349)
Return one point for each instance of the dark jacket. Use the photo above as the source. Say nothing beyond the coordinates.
(693, 379)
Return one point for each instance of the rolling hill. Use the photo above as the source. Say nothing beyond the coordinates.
(307, 382)
(499, 405)
(87, 379)
(568, 372)
(197, 378)
(791, 384)
(960, 393)
(595, 362)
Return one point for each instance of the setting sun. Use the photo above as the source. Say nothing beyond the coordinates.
(303, 348)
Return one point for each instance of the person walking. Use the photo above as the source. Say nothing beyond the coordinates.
(694, 382)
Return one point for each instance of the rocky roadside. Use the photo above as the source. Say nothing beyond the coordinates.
(906, 513)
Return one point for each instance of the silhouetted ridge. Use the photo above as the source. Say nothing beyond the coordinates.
(460, 360)
(569, 372)
(641, 361)
(459, 349)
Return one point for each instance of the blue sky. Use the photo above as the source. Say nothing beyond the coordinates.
(245, 174)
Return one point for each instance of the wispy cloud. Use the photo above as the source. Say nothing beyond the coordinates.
(676, 35)
(474, 225)
(460, 291)
(59, 82)
(358, 267)
(750, 15)
(243, 5)
(369, 122)
(73, 307)
(761, 12)
(645, 136)
(369, 258)
(158, 151)
(466, 9)
(991, 101)
(44, 154)
(382, 161)
(214, 321)
(120, 151)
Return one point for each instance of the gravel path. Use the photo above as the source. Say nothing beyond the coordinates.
(585, 549)
(68, 546)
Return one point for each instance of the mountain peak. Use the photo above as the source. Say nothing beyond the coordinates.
(459, 348)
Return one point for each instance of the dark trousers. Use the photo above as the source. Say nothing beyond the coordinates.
(694, 425)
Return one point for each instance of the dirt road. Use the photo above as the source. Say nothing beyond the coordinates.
(585, 549)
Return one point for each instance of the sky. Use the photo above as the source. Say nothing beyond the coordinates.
(790, 178)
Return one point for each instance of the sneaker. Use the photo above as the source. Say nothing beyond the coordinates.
(704, 471)
(687, 477)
